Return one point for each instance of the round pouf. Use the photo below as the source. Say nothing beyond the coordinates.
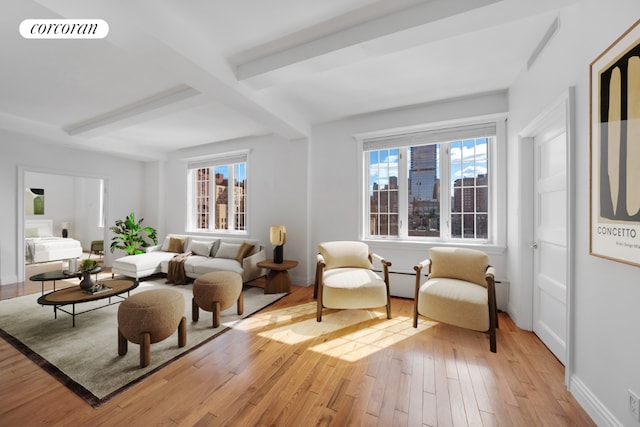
(215, 292)
(149, 317)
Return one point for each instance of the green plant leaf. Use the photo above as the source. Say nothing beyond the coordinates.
(131, 237)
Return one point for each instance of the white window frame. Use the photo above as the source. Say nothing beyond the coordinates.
(497, 182)
(225, 159)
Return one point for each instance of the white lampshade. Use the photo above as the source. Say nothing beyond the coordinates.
(278, 235)
(64, 225)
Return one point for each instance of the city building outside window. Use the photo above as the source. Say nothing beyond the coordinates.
(430, 185)
(217, 189)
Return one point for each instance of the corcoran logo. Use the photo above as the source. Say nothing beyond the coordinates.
(64, 29)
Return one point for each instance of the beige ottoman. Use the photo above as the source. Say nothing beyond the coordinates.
(149, 317)
(215, 292)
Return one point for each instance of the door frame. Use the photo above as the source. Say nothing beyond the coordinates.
(566, 104)
(20, 215)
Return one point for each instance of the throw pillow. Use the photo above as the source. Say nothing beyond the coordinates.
(176, 244)
(31, 232)
(199, 247)
(227, 250)
(244, 250)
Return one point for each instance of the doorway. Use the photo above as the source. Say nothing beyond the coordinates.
(77, 201)
(550, 243)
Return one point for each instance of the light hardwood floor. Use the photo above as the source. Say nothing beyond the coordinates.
(283, 368)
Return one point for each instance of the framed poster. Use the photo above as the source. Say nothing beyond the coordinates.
(615, 150)
(34, 201)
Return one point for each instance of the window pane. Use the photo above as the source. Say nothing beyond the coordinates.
(393, 225)
(201, 192)
(470, 187)
(468, 226)
(239, 200)
(383, 192)
(456, 206)
(373, 201)
(456, 225)
(374, 225)
(424, 191)
(482, 228)
(221, 197)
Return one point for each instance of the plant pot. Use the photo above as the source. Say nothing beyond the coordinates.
(86, 282)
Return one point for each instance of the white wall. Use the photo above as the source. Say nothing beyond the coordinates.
(60, 192)
(71, 199)
(22, 153)
(606, 314)
(277, 186)
(334, 178)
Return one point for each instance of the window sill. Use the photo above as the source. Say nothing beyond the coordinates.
(490, 248)
(218, 233)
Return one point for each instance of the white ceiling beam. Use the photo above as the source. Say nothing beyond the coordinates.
(390, 23)
(131, 29)
(162, 103)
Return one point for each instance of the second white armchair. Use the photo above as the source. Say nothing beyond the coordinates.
(345, 278)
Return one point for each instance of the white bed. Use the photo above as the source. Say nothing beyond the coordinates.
(42, 246)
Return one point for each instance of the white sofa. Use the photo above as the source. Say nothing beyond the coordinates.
(209, 254)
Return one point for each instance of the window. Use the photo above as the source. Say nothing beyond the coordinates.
(218, 194)
(431, 185)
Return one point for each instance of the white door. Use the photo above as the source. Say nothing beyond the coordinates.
(550, 237)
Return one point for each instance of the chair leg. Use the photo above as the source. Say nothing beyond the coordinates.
(241, 303)
(388, 308)
(215, 308)
(492, 340)
(195, 310)
(122, 344)
(145, 349)
(182, 332)
(319, 302)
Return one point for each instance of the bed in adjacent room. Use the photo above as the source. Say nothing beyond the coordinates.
(42, 246)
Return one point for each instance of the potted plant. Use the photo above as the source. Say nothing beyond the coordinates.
(131, 237)
(86, 267)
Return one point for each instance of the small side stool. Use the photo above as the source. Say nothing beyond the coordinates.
(149, 317)
(215, 292)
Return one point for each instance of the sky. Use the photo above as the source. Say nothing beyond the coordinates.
(468, 159)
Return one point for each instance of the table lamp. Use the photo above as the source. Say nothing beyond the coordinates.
(65, 229)
(278, 237)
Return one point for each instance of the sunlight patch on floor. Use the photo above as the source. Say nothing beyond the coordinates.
(357, 333)
(370, 339)
(273, 317)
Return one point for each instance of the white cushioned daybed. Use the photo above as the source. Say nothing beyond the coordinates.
(42, 246)
(208, 254)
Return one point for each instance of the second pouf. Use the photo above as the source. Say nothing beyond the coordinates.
(215, 292)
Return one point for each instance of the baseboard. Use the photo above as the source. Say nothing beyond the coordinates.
(8, 280)
(596, 409)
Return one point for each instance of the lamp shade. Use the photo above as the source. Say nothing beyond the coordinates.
(278, 235)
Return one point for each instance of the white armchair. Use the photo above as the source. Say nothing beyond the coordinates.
(459, 290)
(345, 278)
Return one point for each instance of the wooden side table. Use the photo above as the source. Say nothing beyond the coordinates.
(278, 279)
